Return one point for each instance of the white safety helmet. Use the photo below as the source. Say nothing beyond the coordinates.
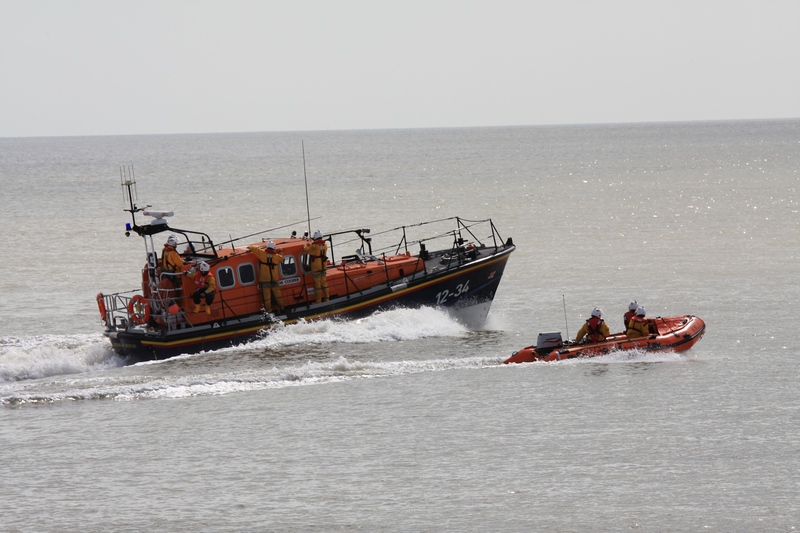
(633, 306)
(172, 240)
(640, 311)
(204, 267)
(597, 312)
(270, 245)
(318, 234)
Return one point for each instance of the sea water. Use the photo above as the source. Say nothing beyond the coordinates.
(408, 420)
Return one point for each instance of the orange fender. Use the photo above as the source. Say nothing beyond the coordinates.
(101, 305)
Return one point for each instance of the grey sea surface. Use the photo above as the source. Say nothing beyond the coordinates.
(407, 420)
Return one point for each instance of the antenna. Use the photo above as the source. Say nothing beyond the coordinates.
(127, 179)
(130, 195)
(305, 177)
(564, 299)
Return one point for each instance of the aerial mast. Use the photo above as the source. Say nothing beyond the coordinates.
(130, 195)
(305, 177)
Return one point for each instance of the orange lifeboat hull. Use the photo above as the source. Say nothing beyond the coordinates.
(674, 333)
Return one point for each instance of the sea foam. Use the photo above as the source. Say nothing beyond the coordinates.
(384, 326)
(24, 358)
(75, 354)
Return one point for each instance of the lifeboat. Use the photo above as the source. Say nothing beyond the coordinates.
(452, 263)
(670, 333)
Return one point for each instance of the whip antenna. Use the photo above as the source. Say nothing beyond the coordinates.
(566, 324)
(305, 177)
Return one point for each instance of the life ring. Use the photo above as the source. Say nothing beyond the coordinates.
(139, 309)
(101, 305)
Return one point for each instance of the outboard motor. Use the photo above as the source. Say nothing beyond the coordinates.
(547, 342)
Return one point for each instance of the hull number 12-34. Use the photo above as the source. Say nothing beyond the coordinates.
(445, 295)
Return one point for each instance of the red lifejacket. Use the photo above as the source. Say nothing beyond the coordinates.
(200, 279)
(594, 329)
(628, 317)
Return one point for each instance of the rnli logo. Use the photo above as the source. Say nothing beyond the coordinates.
(492, 274)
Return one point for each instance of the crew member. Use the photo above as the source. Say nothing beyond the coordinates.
(595, 329)
(171, 263)
(639, 326)
(318, 252)
(205, 287)
(632, 307)
(269, 274)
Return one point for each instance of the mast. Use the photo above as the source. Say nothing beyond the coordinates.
(127, 179)
(305, 177)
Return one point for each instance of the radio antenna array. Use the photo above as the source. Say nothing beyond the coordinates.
(127, 179)
(129, 193)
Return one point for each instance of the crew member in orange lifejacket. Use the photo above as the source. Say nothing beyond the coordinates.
(639, 326)
(595, 329)
(632, 307)
(269, 274)
(172, 264)
(318, 251)
(206, 287)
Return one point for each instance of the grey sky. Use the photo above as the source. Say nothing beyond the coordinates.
(80, 67)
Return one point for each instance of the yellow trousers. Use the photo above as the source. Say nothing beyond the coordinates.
(320, 286)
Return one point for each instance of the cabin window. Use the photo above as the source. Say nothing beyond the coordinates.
(247, 274)
(288, 267)
(305, 263)
(225, 277)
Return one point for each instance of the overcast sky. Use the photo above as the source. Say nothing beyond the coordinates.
(104, 67)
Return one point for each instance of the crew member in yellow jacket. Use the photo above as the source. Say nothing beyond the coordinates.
(639, 326)
(595, 329)
(172, 266)
(269, 274)
(318, 252)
